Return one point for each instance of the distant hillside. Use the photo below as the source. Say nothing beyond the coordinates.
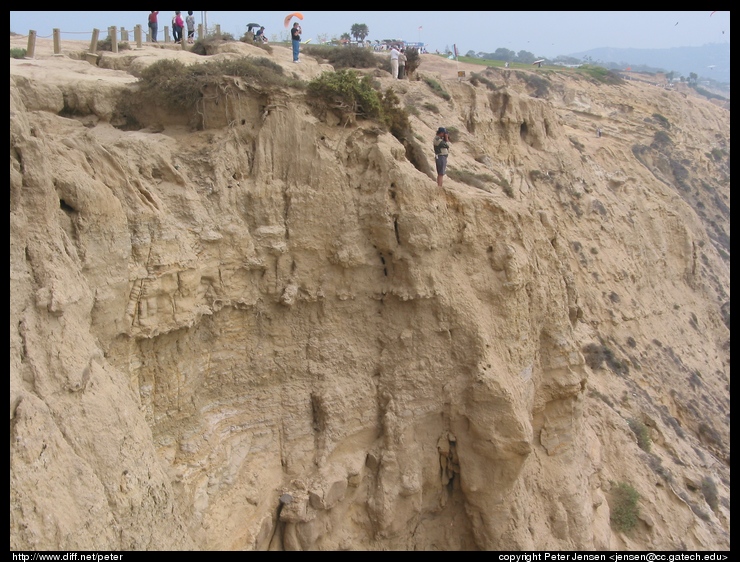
(683, 60)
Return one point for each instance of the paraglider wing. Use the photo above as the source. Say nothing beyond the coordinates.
(251, 26)
(291, 16)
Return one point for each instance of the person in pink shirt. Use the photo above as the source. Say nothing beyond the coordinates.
(177, 25)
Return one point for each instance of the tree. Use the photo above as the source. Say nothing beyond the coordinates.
(693, 78)
(502, 54)
(359, 31)
(344, 38)
(525, 57)
(573, 60)
(470, 53)
(413, 60)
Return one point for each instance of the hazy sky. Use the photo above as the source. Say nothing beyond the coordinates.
(542, 33)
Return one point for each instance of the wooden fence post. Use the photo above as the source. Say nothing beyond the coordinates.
(201, 35)
(91, 56)
(166, 33)
(218, 31)
(94, 41)
(137, 35)
(31, 50)
(57, 41)
(113, 34)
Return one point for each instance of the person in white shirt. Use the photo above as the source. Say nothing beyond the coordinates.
(394, 61)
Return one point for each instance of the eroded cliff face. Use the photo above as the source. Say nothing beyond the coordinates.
(276, 333)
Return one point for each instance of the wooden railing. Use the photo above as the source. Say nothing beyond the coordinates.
(139, 39)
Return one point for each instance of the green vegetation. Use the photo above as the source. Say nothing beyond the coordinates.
(477, 78)
(624, 508)
(578, 144)
(179, 86)
(716, 153)
(596, 355)
(479, 181)
(17, 53)
(642, 433)
(657, 465)
(359, 31)
(506, 186)
(698, 511)
(601, 74)
(411, 109)
(344, 91)
(661, 139)
(535, 175)
(413, 60)
(350, 96)
(662, 120)
(394, 116)
(708, 94)
(436, 88)
(601, 396)
(208, 45)
(709, 490)
(107, 45)
(343, 57)
(538, 85)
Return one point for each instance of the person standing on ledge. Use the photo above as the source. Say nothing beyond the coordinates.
(394, 61)
(402, 64)
(190, 22)
(153, 25)
(177, 25)
(441, 150)
(295, 35)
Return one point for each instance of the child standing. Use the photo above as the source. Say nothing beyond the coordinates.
(190, 22)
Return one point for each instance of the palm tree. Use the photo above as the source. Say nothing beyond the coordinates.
(344, 38)
(359, 31)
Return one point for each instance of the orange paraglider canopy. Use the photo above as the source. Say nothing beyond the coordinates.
(293, 15)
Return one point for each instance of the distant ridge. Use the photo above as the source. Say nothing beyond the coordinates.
(683, 60)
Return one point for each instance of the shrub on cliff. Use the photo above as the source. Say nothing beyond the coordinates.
(181, 86)
(345, 92)
(624, 508)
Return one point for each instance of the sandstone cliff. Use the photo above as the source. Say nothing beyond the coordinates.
(271, 331)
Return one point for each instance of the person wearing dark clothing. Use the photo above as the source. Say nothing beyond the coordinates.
(441, 150)
(295, 35)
